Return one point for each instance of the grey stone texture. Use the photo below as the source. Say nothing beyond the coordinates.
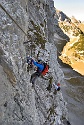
(27, 28)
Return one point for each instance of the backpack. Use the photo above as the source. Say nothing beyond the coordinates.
(45, 70)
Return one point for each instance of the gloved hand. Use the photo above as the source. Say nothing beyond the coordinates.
(32, 60)
(29, 59)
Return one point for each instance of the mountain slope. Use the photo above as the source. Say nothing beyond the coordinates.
(73, 52)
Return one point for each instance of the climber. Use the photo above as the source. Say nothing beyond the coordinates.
(41, 68)
(57, 87)
(38, 72)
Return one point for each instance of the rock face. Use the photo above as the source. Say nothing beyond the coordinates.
(27, 27)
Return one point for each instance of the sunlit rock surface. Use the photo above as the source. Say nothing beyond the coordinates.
(73, 51)
(73, 54)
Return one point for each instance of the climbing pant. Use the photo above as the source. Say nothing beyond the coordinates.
(34, 76)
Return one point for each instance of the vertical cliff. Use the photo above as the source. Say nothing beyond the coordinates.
(27, 27)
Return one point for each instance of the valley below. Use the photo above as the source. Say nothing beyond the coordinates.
(73, 54)
(73, 86)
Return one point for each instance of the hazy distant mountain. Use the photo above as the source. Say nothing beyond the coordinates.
(81, 26)
(61, 16)
(78, 23)
(73, 52)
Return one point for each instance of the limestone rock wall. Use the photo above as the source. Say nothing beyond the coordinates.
(26, 27)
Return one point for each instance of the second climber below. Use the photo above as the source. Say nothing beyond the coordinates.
(40, 68)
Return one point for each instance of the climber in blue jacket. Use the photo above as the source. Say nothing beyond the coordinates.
(39, 65)
(39, 69)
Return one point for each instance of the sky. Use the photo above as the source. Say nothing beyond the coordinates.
(71, 8)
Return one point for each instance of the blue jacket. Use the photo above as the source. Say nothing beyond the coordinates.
(40, 66)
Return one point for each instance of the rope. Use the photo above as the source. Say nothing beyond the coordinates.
(16, 24)
(13, 19)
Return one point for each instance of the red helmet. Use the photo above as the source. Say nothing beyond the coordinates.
(58, 84)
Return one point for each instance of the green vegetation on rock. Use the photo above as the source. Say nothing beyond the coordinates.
(39, 38)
